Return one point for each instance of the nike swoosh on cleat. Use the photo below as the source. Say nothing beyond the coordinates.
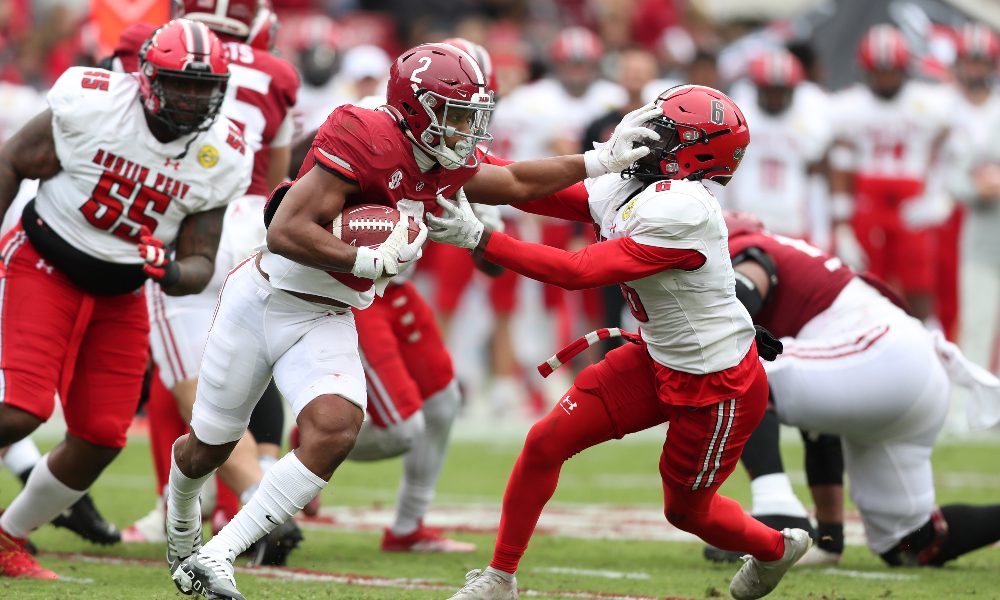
(268, 517)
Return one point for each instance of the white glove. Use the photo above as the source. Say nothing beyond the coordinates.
(926, 211)
(489, 216)
(459, 225)
(620, 151)
(848, 248)
(393, 255)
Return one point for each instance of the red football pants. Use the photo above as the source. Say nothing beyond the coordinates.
(618, 396)
(404, 356)
(54, 337)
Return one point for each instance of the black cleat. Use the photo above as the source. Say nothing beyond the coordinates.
(775, 522)
(273, 550)
(83, 519)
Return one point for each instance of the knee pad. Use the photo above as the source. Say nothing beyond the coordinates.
(377, 443)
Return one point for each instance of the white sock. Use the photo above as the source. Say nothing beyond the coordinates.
(773, 495)
(21, 456)
(285, 489)
(423, 462)
(183, 493)
(41, 500)
(266, 461)
(501, 574)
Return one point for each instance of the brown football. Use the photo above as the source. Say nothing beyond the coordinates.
(369, 224)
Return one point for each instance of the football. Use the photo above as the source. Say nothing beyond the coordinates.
(369, 224)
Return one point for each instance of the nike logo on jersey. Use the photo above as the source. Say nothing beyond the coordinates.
(441, 189)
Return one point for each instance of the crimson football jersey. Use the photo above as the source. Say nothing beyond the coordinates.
(808, 281)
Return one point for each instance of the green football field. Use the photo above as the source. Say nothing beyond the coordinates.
(603, 538)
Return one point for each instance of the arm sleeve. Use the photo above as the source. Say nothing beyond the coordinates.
(600, 264)
(570, 203)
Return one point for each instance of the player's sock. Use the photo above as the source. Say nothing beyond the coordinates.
(830, 537)
(42, 499)
(969, 528)
(225, 498)
(165, 426)
(182, 494)
(21, 457)
(422, 463)
(773, 495)
(285, 489)
(266, 461)
(501, 574)
(551, 441)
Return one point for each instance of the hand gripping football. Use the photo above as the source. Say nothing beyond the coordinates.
(369, 225)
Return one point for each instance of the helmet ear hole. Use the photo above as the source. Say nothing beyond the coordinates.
(704, 157)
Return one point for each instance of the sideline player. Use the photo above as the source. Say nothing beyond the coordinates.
(286, 310)
(841, 335)
(696, 364)
(126, 161)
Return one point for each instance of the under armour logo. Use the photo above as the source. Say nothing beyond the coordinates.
(41, 265)
(169, 162)
(567, 405)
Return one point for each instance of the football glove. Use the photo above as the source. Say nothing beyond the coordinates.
(391, 256)
(158, 264)
(458, 225)
(620, 151)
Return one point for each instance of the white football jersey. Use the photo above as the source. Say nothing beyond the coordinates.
(773, 179)
(691, 321)
(18, 104)
(117, 177)
(967, 121)
(526, 122)
(892, 138)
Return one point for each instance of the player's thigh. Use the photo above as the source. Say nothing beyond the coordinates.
(704, 443)
(177, 334)
(892, 484)
(323, 361)
(625, 383)
(913, 259)
(39, 309)
(110, 365)
(393, 395)
(420, 342)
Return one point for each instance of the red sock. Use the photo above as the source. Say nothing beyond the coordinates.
(721, 522)
(578, 422)
(165, 426)
(226, 499)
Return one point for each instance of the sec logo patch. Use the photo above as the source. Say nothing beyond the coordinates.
(208, 156)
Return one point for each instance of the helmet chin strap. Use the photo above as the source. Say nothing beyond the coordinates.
(425, 161)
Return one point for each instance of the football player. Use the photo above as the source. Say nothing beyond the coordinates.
(128, 162)
(695, 365)
(287, 310)
(842, 334)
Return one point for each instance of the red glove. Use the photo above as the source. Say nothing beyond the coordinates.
(158, 264)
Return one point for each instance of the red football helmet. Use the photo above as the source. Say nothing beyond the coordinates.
(741, 223)
(250, 21)
(576, 44)
(703, 135)
(978, 41)
(182, 76)
(435, 88)
(480, 54)
(776, 68)
(884, 48)
(264, 29)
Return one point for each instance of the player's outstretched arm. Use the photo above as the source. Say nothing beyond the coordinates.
(28, 154)
(298, 230)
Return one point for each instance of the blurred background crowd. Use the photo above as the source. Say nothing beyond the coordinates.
(876, 145)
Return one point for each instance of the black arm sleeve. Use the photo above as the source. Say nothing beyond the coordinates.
(748, 294)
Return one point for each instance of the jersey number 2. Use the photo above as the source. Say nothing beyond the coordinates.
(107, 203)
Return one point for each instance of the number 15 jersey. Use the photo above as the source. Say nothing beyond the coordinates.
(116, 177)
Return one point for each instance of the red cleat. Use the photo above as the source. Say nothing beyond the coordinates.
(16, 562)
(311, 509)
(424, 539)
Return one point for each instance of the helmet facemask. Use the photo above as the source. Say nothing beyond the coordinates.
(187, 102)
(662, 162)
(445, 115)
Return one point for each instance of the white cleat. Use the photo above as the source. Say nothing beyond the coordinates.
(183, 540)
(148, 529)
(817, 557)
(757, 578)
(208, 577)
(486, 585)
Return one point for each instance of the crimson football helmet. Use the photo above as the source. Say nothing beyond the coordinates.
(482, 57)
(776, 68)
(703, 135)
(250, 21)
(433, 90)
(884, 48)
(264, 29)
(182, 76)
(978, 41)
(741, 223)
(576, 44)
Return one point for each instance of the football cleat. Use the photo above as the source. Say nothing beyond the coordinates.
(83, 519)
(148, 529)
(775, 522)
(207, 576)
(486, 585)
(423, 539)
(274, 548)
(757, 578)
(183, 541)
(16, 562)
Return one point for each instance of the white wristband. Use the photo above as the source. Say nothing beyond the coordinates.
(369, 263)
(595, 168)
